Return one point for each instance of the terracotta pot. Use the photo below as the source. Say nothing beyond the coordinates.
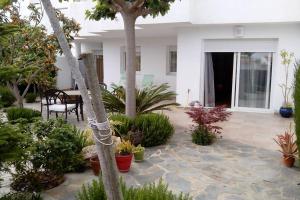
(95, 164)
(123, 162)
(288, 161)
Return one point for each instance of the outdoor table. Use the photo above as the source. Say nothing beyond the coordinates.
(76, 95)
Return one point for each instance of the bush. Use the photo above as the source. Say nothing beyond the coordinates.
(53, 148)
(10, 140)
(156, 129)
(147, 100)
(159, 191)
(206, 131)
(30, 97)
(297, 104)
(59, 146)
(122, 124)
(202, 137)
(22, 113)
(6, 97)
(21, 196)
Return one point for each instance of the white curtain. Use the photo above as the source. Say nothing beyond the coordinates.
(209, 83)
(253, 80)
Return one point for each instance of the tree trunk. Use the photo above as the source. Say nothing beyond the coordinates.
(129, 25)
(109, 156)
(16, 93)
(106, 157)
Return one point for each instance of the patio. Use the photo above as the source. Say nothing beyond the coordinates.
(244, 164)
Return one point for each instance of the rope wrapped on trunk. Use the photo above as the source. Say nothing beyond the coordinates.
(104, 126)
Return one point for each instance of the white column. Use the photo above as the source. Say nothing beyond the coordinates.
(77, 46)
(189, 65)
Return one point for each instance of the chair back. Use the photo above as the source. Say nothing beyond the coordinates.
(103, 86)
(147, 80)
(54, 96)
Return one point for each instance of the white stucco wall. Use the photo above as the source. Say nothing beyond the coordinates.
(63, 79)
(244, 11)
(190, 56)
(153, 60)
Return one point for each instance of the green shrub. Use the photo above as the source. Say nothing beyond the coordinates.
(21, 196)
(22, 113)
(30, 97)
(148, 99)
(156, 129)
(59, 149)
(122, 123)
(202, 136)
(297, 104)
(53, 149)
(10, 140)
(160, 191)
(6, 97)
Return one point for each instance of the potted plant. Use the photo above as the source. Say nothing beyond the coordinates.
(288, 147)
(286, 110)
(138, 153)
(95, 165)
(124, 155)
(135, 136)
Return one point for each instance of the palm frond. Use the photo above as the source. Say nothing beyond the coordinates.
(147, 99)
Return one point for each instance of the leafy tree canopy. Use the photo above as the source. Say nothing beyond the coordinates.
(107, 9)
(28, 55)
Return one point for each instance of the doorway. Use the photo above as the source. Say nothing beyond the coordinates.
(238, 79)
(218, 75)
(99, 68)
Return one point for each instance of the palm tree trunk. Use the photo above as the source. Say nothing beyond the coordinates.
(129, 25)
(106, 157)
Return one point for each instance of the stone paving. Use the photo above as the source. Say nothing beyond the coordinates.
(243, 165)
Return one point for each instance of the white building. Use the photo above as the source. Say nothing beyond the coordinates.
(213, 51)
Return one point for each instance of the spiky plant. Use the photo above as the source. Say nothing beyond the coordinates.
(147, 99)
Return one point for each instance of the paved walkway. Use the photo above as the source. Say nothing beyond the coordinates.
(243, 165)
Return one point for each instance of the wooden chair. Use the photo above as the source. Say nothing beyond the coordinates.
(58, 101)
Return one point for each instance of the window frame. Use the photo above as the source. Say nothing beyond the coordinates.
(171, 48)
(123, 59)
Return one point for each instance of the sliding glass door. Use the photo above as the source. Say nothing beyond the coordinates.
(253, 75)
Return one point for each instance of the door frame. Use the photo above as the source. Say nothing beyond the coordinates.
(235, 83)
(236, 75)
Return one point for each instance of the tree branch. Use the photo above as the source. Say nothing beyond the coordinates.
(142, 12)
(120, 5)
(29, 83)
(136, 5)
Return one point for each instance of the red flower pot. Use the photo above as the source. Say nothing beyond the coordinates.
(124, 162)
(288, 161)
(95, 164)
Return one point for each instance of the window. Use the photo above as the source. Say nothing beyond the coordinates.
(172, 59)
(138, 59)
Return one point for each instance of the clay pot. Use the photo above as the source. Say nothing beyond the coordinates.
(124, 162)
(95, 164)
(288, 161)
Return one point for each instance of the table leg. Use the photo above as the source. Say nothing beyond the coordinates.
(81, 109)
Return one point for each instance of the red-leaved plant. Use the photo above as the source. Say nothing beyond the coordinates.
(287, 143)
(206, 118)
